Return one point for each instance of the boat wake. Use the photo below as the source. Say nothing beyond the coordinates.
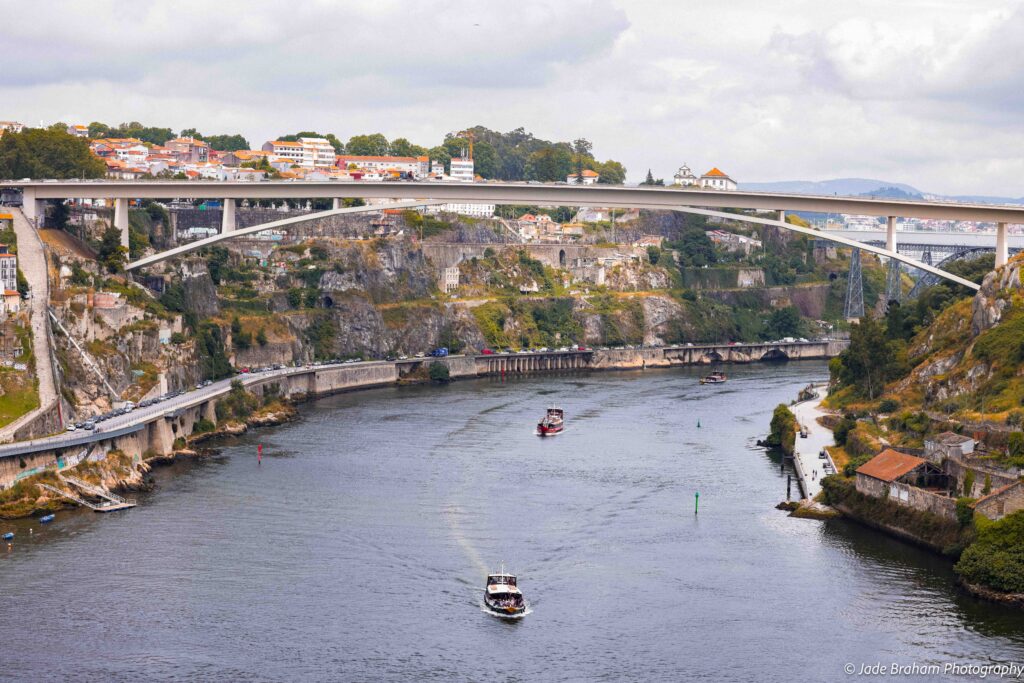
(452, 514)
(537, 432)
(507, 617)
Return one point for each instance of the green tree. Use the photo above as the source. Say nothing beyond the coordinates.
(649, 180)
(485, 160)
(213, 361)
(110, 253)
(401, 147)
(871, 359)
(581, 148)
(368, 145)
(39, 153)
(228, 143)
(783, 429)
(550, 164)
(439, 372)
(784, 322)
(261, 337)
(611, 173)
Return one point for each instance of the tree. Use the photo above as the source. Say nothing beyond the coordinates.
(400, 147)
(870, 360)
(110, 253)
(191, 133)
(581, 148)
(368, 145)
(783, 429)
(784, 322)
(39, 153)
(228, 143)
(550, 165)
(213, 362)
(649, 180)
(611, 173)
(439, 372)
(485, 160)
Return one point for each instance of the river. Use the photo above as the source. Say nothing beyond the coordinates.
(357, 551)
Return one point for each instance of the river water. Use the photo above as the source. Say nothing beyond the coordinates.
(357, 551)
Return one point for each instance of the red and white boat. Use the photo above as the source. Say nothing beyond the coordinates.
(553, 423)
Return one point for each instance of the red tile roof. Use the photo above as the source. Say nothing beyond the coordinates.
(890, 465)
(716, 172)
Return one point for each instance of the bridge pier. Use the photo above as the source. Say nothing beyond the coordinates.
(1002, 253)
(31, 207)
(890, 233)
(227, 221)
(121, 219)
(336, 203)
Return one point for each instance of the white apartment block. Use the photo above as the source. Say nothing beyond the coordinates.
(9, 271)
(306, 152)
(461, 169)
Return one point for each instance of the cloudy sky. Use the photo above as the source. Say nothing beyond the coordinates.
(926, 92)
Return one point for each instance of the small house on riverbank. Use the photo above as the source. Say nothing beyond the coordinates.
(907, 480)
(1002, 502)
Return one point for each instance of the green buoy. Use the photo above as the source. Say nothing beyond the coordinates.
(696, 502)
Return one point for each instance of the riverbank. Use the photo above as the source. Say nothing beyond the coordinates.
(119, 473)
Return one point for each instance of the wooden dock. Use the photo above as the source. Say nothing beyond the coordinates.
(109, 502)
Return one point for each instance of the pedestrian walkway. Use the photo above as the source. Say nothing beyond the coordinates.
(809, 466)
(32, 262)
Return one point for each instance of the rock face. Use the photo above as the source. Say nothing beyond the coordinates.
(199, 290)
(662, 316)
(994, 297)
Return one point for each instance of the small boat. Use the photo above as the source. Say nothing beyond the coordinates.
(553, 422)
(9, 536)
(46, 519)
(714, 378)
(502, 596)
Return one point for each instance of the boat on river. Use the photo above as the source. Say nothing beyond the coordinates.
(714, 378)
(553, 423)
(502, 596)
(46, 519)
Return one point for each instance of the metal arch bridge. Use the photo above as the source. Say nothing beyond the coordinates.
(199, 244)
(702, 202)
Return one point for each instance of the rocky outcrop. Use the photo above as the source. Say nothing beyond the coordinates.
(994, 296)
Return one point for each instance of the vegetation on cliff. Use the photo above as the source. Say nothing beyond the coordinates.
(996, 558)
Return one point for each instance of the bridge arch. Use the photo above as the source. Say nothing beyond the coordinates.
(511, 193)
(710, 357)
(561, 258)
(775, 355)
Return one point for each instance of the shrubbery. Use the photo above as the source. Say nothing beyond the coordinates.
(783, 429)
(996, 558)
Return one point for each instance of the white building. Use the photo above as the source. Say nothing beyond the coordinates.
(449, 279)
(306, 152)
(684, 177)
(717, 180)
(589, 178)
(9, 271)
(461, 169)
(12, 126)
(317, 152)
(475, 210)
(79, 131)
(417, 166)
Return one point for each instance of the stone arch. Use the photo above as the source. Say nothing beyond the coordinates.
(561, 258)
(775, 355)
(711, 357)
(328, 301)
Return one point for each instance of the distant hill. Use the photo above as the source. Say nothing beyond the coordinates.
(839, 186)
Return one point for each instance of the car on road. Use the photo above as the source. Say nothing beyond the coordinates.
(72, 428)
